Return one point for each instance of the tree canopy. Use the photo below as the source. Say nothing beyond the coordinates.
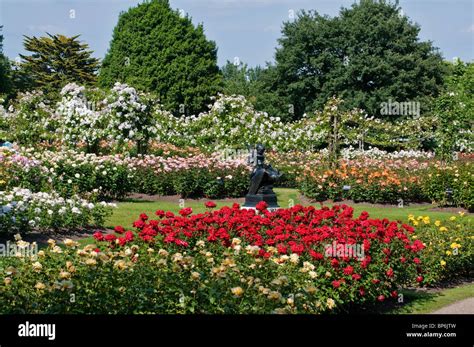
(56, 60)
(156, 49)
(5, 82)
(367, 55)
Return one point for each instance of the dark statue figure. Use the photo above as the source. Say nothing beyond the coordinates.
(262, 178)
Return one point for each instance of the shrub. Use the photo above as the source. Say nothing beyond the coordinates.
(23, 211)
(449, 251)
(224, 261)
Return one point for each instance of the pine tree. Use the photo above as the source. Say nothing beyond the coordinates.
(57, 60)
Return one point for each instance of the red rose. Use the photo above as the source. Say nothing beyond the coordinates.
(186, 211)
(356, 277)
(119, 229)
(375, 281)
(169, 214)
(394, 294)
(336, 284)
(139, 224)
(364, 215)
(381, 298)
(348, 270)
(316, 255)
(160, 213)
(261, 206)
(416, 260)
(129, 236)
(389, 272)
(143, 216)
(403, 259)
(419, 279)
(335, 263)
(210, 204)
(282, 249)
(147, 238)
(181, 243)
(110, 238)
(361, 291)
(98, 236)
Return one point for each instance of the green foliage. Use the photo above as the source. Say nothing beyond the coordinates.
(56, 60)
(366, 55)
(457, 177)
(156, 50)
(449, 251)
(454, 110)
(5, 81)
(256, 85)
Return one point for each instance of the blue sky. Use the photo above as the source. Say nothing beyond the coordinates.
(247, 29)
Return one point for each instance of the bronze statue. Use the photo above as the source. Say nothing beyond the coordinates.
(262, 178)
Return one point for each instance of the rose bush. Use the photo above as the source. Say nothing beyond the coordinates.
(378, 180)
(223, 261)
(449, 251)
(23, 211)
(115, 176)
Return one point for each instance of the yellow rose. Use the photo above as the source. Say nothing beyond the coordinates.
(443, 263)
(237, 291)
(40, 286)
(437, 223)
(37, 266)
(64, 275)
(330, 303)
(91, 262)
(443, 229)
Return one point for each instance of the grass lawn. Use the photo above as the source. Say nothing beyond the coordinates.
(127, 212)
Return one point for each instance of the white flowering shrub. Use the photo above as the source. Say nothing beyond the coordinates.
(131, 116)
(376, 153)
(22, 210)
(81, 116)
(28, 120)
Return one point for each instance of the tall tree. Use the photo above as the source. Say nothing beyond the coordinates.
(255, 83)
(367, 55)
(57, 60)
(156, 49)
(5, 81)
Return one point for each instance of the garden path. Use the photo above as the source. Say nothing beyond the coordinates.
(465, 306)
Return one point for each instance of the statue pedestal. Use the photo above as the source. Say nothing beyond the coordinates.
(251, 201)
